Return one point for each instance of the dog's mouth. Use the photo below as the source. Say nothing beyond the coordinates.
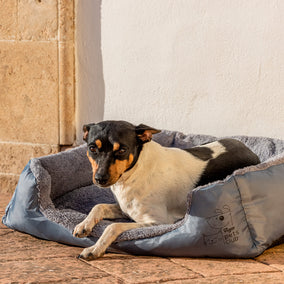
(103, 184)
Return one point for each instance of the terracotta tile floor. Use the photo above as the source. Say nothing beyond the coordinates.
(25, 259)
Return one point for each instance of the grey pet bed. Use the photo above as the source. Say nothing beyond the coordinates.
(240, 216)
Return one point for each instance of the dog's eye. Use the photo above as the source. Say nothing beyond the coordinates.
(93, 149)
(121, 151)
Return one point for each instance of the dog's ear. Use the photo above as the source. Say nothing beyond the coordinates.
(86, 129)
(144, 133)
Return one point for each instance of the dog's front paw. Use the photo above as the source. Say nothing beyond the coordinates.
(83, 229)
(91, 253)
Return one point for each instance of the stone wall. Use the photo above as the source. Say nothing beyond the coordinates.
(36, 82)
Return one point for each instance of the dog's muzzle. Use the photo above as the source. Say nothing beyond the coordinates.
(102, 179)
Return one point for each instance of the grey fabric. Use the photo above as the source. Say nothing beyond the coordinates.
(61, 187)
(23, 213)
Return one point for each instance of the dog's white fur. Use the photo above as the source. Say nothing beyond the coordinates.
(154, 191)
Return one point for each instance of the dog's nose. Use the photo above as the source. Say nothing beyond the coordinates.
(101, 179)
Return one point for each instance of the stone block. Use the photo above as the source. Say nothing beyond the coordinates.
(66, 20)
(66, 93)
(256, 278)
(216, 267)
(8, 19)
(8, 183)
(37, 20)
(29, 92)
(273, 257)
(4, 200)
(48, 270)
(17, 243)
(14, 156)
(144, 269)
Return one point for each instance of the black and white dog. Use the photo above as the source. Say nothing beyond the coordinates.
(150, 182)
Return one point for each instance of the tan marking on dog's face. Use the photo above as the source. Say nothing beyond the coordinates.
(116, 146)
(98, 143)
(94, 166)
(119, 167)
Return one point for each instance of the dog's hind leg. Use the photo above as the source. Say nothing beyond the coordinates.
(99, 212)
(107, 238)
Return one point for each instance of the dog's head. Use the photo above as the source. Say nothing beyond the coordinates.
(114, 147)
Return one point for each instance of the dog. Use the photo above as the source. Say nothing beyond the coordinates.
(150, 182)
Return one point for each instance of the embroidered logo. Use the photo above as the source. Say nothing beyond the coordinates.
(224, 229)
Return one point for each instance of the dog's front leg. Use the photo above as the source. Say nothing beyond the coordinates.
(107, 238)
(99, 212)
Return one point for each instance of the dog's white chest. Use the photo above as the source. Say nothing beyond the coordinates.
(156, 189)
(130, 201)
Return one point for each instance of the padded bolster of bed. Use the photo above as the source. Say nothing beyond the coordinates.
(68, 170)
(262, 199)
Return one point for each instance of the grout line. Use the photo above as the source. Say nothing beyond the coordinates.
(183, 266)
(27, 40)
(74, 71)
(170, 280)
(17, 22)
(33, 258)
(270, 265)
(64, 281)
(88, 263)
(58, 71)
(6, 233)
(9, 174)
(27, 143)
(246, 273)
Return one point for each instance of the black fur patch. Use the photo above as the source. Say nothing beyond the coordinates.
(202, 153)
(237, 156)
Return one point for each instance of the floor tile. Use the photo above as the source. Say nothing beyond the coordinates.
(273, 258)
(137, 269)
(258, 278)
(214, 267)
(48, 270)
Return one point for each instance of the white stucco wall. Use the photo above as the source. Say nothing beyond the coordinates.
(213, 67)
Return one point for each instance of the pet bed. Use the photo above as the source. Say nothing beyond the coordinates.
(240, 216)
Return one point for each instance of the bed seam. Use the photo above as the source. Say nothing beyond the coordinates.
(245, 215)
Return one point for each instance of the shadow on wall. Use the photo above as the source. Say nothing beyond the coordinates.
(90, 92)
